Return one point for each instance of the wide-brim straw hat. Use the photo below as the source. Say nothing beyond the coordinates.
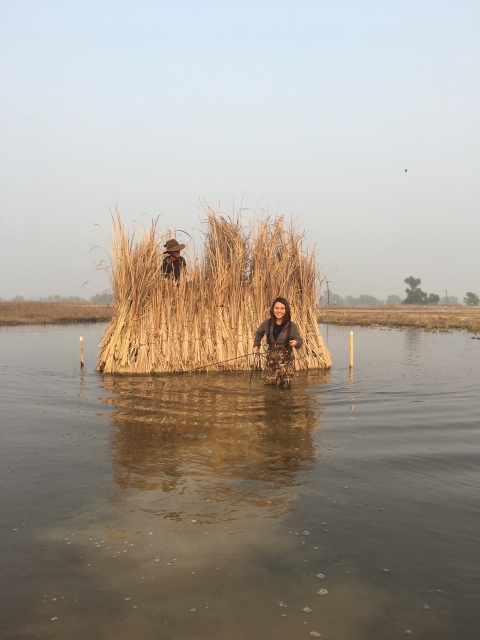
(172, 245)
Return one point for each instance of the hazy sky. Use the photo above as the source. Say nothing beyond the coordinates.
(318, 106)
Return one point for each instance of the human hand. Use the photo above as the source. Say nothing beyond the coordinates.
(293, 343)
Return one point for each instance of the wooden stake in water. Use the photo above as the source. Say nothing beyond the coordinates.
(351, 349)
(82, 359)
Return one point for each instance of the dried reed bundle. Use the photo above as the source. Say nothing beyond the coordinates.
(209, 315)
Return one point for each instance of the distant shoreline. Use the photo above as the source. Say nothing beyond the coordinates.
(14, 313)
(420, 317)
(445, 318)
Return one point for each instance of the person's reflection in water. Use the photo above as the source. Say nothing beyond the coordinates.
(214, 435)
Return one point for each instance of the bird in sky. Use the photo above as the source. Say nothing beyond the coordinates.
(406, 170)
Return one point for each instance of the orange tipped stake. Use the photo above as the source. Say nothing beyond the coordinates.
(82, 359)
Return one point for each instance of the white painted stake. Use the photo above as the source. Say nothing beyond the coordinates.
(82, 359)
(351, 349)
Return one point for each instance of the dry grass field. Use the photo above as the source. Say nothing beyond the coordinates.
(429, 318)
(14, 313)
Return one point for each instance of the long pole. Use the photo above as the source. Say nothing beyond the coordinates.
(351, 349)
(328, 293)
(446, 297)
(82, 359)
(212, 364)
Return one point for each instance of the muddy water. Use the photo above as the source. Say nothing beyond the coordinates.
(212, 507)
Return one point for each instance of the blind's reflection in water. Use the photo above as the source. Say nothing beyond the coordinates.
(234, 439)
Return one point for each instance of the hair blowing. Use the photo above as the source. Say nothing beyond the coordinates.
(287, 316)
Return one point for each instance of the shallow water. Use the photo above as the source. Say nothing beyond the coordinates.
(204, 506)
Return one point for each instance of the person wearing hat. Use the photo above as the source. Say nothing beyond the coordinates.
(173, 263)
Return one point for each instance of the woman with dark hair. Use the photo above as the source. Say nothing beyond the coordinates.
(282, 337)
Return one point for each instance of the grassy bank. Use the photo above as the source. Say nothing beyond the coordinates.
(15, 313)
(429, 318)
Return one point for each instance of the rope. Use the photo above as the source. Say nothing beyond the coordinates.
(253, 353)
(212, 364)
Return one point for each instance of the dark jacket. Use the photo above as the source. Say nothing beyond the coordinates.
(263, 328)
(174, 268)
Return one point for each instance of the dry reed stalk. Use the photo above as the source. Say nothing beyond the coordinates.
(209, 315)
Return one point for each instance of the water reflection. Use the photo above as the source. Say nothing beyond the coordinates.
(82, 383)
(412, 346)
(217, 435)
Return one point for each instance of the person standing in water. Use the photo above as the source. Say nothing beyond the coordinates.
(282, 337)
(173, 264)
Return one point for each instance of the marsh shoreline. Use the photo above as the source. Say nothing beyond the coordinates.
(429, 318)
(14, 313)
(446, 318)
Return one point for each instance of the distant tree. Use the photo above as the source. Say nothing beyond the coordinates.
(366, 299)
(414, 294)
(335, 299)
(18, 299)
(101, 298)
(394, 299)
(471, 299)
(363, 299)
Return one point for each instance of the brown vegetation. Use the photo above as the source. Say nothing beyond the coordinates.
(208, 316)
(14, 313)
(206, 417)
(429, 318)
